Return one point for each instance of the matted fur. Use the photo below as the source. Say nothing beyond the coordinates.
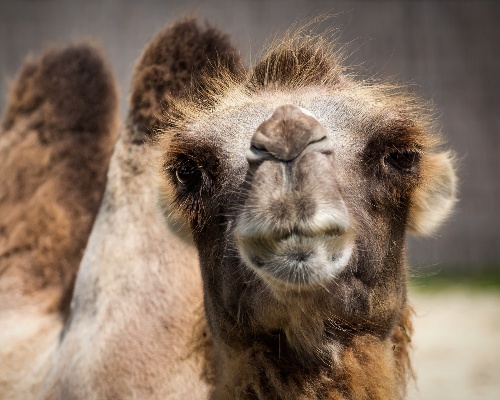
(367, 369)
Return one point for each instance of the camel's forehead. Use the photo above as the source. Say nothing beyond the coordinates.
(232, 123)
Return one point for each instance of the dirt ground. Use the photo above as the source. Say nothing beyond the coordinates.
(456, 346)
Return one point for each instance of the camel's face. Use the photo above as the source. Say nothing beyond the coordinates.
(304, 193)
(294, 229)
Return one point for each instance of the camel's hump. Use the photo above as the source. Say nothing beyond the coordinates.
(66, 89)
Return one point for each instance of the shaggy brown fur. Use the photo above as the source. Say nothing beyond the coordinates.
(367, 368)
(58, 132)
(296, 61)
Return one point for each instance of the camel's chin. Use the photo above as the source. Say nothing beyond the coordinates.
(298, 262)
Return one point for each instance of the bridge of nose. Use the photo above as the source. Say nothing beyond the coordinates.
(287, 133)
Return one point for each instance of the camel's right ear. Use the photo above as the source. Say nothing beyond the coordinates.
(434, 199)
(173, 66)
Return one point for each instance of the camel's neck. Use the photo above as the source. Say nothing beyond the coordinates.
(363, 367)
(134, 261)
(131, 232)
(138, 289)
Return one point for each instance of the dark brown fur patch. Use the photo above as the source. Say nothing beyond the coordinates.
(369, 368)
(173, 65)
(58, 133)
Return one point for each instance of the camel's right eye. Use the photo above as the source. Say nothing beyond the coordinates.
(404, 161)
(188, 173)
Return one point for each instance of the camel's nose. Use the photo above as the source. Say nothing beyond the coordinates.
(286, 134)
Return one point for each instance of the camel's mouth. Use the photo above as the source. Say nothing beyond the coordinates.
(298, 258)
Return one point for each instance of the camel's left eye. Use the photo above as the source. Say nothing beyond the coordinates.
(404, 161)
(188, 173)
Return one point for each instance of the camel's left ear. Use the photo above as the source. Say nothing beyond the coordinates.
(434, 199)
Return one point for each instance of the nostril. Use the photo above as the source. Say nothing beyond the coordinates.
(257, 147)
(321, 139)
(258, 152)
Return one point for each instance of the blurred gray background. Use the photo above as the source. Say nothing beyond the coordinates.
(448, 50)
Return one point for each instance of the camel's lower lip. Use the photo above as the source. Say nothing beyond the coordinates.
(296, 258)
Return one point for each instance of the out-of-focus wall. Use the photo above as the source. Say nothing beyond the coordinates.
(449, 51)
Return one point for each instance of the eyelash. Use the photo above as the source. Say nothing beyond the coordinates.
(188, 174)
(405, 161)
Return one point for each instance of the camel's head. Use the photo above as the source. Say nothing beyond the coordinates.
(299, 184)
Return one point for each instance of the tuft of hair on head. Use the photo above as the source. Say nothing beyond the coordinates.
(299, 57)
(67, 89)
(177, 65)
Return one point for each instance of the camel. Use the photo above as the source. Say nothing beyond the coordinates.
(299, 184)
(250, 243)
